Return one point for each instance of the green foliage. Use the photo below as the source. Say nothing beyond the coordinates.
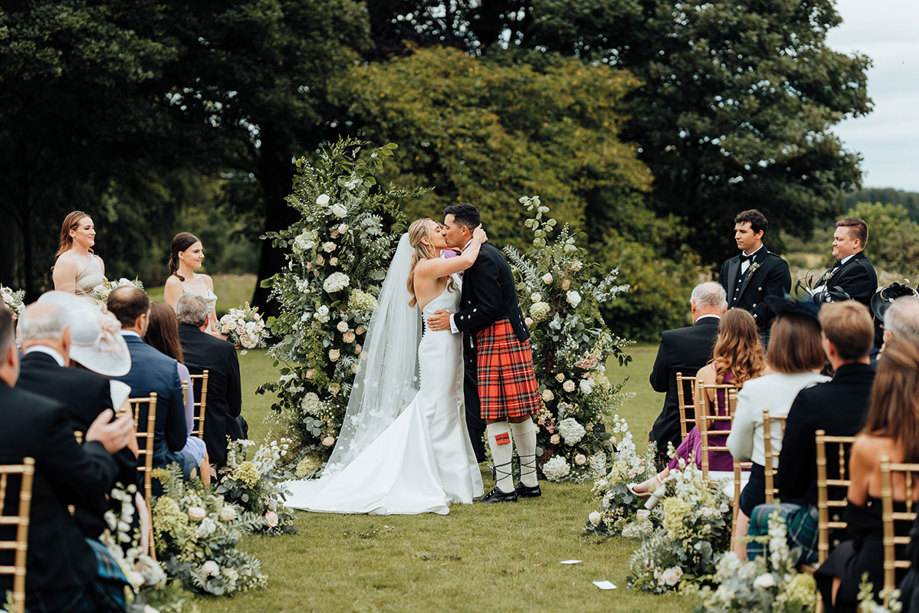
(891, 237)
(886, 195)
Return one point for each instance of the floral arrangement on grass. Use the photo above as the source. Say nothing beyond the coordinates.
(890, 599)
(102, 291)
(695, 526)
(561, 293)
(619, 508)
(337, 253)
(254, 485)
(197, 535)
(763, 585)
(244, 327)
(13, 299)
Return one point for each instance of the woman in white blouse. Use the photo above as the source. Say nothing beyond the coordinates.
(794, 360)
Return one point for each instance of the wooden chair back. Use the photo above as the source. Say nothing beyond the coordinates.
(20, 521)
(144, 434)
(771, 455)
(831, 493)
(708, 420)
(891, 517)
(685, 402)
(200, 381)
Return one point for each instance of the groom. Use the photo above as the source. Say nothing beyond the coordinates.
(500, 385)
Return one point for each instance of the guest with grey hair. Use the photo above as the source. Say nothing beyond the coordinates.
(46, 332)
(203, 351)
(901, 320)
(684, 350)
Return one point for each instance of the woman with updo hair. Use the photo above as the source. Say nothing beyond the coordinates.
(185, 256)
(76, 268)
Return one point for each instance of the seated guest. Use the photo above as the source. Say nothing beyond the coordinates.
(901, 320)
(891, 430)
(62, 566)
(837, 407)
(204, 352)
(44, 334)
(151, 371)
(796, 357)
(684, 350)
(163, 335)
(739, 357)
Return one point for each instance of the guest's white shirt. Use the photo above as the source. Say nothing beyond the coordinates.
(775, 392)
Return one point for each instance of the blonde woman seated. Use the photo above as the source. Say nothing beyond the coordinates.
(76, 268)
(738, 357)
(795, 358)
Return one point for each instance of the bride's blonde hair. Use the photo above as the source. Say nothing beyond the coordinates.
(420, 229)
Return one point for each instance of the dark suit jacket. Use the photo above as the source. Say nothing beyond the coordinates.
(224, 398)
(684, 350)
(151, 371)
(66, 473)
(856, 277)
(771, 278)
(84, 395)
(839, 407)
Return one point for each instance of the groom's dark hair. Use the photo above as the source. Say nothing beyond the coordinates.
(465, 215)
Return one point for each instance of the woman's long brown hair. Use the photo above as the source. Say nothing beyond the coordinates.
(894, 410)
(738, 348)
(71, 222)
(163, 331)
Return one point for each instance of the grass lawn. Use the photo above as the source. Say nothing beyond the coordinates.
(494, 557)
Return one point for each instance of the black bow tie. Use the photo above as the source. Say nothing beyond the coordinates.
(837, 264)
(746, 258)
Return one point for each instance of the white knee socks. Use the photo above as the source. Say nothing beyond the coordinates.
(499, 441)
(525, 441)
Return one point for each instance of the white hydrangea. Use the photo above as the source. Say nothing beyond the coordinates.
(336, 282)
(360, 300)
(539, 311)
(556, 468)
(571, 430)
(311, 404)
(573, 298)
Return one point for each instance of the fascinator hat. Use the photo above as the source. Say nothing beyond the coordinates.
(885, 295)
(804, 305)
(95, 334)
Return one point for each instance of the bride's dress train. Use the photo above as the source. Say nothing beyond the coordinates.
(423, 461)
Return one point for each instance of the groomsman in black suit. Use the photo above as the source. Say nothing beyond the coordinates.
(852, 272)
(224, 396)
(754, 273)
(684, 350)
(62, 566)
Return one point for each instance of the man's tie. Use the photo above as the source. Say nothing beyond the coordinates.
(745, 258)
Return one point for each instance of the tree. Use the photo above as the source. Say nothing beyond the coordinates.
(891, 237)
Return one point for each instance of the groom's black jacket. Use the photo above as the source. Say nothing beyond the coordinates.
(489, 294)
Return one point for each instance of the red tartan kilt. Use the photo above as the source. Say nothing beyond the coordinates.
(507, 383)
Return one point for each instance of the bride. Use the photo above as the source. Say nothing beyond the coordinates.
(404, 448)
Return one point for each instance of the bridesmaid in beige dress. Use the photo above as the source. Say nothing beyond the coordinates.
(186, 255)
(77, 269)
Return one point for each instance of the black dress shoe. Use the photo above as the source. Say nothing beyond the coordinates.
(528, 492)
(497, 495)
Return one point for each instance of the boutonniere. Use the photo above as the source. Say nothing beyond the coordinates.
(753, 268)
(826, 276)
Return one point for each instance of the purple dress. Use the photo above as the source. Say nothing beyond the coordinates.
(692, 444)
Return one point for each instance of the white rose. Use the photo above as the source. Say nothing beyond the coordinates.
(586, 386)
(536, 297)
(210, 569)
(271, 519)
(568, 386)
(322, 200)
(764, 581)
(196, 513)
(559, 377)
(528, 321)
(343, 228)
(594, 518)
(555, 439)
(322, 311)
(227, 514)
(342, 326)
(329, 247)
(573, 298)
(547, 395)
(338, 210)
(580, 459)
(334, 354)
(547, 278)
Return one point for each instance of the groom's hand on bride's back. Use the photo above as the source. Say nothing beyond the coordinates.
(440, 320)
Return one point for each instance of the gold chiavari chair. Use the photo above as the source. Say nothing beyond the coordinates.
(145, 452)
(20, 546)
(685, 402)
(831, 493)
(707, 420)
(197, 428)
(891, 517)
(771, 457)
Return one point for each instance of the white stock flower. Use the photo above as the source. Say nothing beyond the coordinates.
(322, 200)
(338, 210)
(573, 298)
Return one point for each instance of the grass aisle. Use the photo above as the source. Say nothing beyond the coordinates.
(495, 557)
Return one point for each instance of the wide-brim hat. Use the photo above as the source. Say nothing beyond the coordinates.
(803, 305)
(95, 334)
(884, 296)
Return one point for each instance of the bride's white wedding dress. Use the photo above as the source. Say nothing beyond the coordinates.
(423, 461)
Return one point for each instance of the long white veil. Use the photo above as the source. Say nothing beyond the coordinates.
(387, 376)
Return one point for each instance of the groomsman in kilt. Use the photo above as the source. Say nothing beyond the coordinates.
(755, 272)
(499, 377)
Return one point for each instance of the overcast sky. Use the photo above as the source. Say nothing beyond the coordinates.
(888, 138)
